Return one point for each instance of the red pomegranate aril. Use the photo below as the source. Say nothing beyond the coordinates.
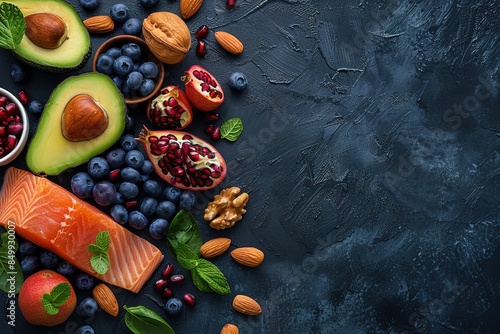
(167, 271)
(209, 128)
(230, 3)
(11, 108)
(189, 299)
(131, 204)
(23, 97)
(215, 134)
(167, 293)
(114, 175)
(201, 48)
(11, 141)
(177, 279)
(160, 285)
(201, 32)
(3, 100)
(15, 128)
(3, 131)
(211, 116)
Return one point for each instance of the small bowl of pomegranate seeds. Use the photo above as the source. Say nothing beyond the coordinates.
(14, 127)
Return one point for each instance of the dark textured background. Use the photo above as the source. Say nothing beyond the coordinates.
(371, 156)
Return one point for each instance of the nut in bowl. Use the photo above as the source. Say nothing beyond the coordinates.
(127, 60)
(14, 127)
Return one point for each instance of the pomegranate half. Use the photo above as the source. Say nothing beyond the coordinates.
(170, 109)
(202, 89)
(183, 160)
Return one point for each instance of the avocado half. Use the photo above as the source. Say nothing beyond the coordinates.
(50, 152)
(74, 52)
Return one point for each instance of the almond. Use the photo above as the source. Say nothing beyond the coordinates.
(229, 329)
(248, 256)
(99, 24)
(246, 305)
(106, 299)
(189, 7)
(229, 42)
(214, 247)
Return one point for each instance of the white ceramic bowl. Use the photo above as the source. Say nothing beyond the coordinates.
(4, 160)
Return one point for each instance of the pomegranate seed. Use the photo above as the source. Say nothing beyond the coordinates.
(130, 204)
(211, 116)
(177, 279)
(114, 175)
(201, 49)
(160, 285)
(15, 128)
(189, 299)
(201, 32)
(209, 129)
(23, 97)
(230, 3)
(2, 131)
(11, 108)
(215, 134)
(3, 101)
(167, 293)
(167, 271)
(11, 141)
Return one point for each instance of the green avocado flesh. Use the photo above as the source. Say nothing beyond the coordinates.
(49, 151)
(73, 53)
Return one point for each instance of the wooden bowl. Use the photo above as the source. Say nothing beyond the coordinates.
(120, 40)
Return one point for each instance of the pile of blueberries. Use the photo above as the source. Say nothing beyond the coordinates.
(120, 181)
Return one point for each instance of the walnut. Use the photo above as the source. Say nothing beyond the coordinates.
(226, 209)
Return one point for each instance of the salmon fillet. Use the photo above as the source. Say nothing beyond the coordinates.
(54, 218)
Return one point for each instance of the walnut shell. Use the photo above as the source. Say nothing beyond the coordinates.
(167, 36)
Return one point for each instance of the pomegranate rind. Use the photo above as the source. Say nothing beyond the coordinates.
(157, 111)
(190, 162)
(202, 99)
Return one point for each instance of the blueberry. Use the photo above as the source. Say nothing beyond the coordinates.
(132, 26)
(144, 177)
(119, 12)
(66, 269)
(130, 174)
(134, 159)
(147, 167)
(126, 92)
(173, 306)
(105, 64)
(137, 220)
(152, 188)
(146, 87)
(114, 52)
(82, 184)
(123, 65)
(187, 200)
(238, 81)
(128, 190)
(128, 142)
(148, 206)
(132, 50)
(116, 158)
(158, 228)
(85, 329)
(48, 259)
(98, 168)
(166, 209)
(129, 122)
(119, 199)
(27, 248)
(87, 307)
(119, 213)
(118, 80)
(134, 80)
(18, 73)
(148, 3)
(30, 264)
(172, 194)
(84, 281)
(89, 4)
(149, 70)
(35, 106)
(104, 193)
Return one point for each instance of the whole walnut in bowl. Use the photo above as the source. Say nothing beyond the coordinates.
(167, 36)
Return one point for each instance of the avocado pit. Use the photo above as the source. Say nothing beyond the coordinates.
(83, 119)
(46, 30)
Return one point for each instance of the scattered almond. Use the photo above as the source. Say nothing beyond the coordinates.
(248, 256)
(246, 305)
(189, 7)
(214, 247)
(99, 24)
(229, 329)
(106, 299)
(229, 42)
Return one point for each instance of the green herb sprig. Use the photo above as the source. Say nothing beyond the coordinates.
(142, 320)
(56, 298)
(11, 274)
(100, 258)
(231, 129)
(184, 242)
(12, 26)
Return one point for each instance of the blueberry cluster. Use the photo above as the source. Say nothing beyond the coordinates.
(127, 67)
(120, 181)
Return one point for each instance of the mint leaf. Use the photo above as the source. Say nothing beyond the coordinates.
(102, 240)
(231, 129)
(100, 262)
(142, 320)
(184, 229)
(186, 256)
(199, 282)
(94, 249)
(56, 298)
(209, 273)
(12, 25)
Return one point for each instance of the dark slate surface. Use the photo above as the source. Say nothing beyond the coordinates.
(371, 156)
